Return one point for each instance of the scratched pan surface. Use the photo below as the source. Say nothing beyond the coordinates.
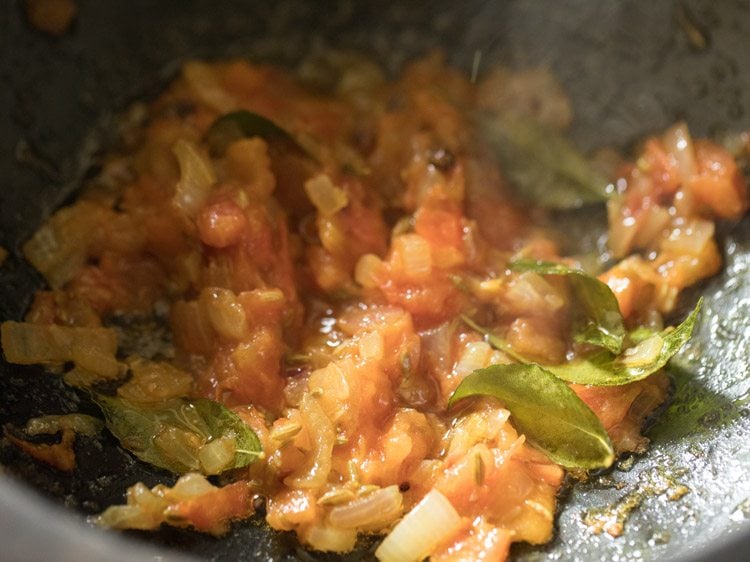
(630, 68)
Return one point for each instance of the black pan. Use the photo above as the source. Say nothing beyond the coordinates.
(631, 68)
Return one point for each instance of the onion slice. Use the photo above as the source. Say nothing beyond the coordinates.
(431, 522)
(197, 176)
(373, 511)
(679, 144)
(92, 349)
(328, 198)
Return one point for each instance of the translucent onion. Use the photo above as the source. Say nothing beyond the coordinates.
(216, 455)
(95, 360)
(644, 353)
(189, 486)
(415, 256)
(49, 425)
(322, 435)
(154, 382)
(128, 517)
(269, 295)
(622, 229)
(371, 345)
(226, 314)
(80, 378)
(330, 539)
(327, 198)
(60, 247)
(431, 522)
(475, 356)
(179, 446)
(367, 271)
(371, 512)
(679, 144)
(690, 239)
(92, 349)
(197, 176)
(650, 226)
(532, 293)
(144, 511)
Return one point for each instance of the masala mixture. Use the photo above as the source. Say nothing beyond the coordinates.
(354, 312)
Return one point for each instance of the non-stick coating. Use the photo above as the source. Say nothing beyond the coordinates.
(630, 70)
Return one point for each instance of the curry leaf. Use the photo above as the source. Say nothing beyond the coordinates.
(636, 363)
(544, 166)
(242, 124)
(598, 320)
(546, 410)
(172, 434)
(652, 352)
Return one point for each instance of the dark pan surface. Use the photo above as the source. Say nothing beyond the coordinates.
(630, 70)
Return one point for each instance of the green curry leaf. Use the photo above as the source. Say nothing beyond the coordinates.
(652, 352)
(634, 364)
(546, 410)
(544, 166)
(597, 320)
(243, 124)
(172, 434)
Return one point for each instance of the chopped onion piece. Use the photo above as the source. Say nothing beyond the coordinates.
(475, 356)
(143, 511)
(224, 311)
(178, 446)
(644, 353)
(650, 225)
(327, 198)
(193, 501)
(60, 247)
(330, 539)
(93, 349)
(431, 522)
(49, 425)
(371, 512)
(367, 271)
(215, 456)
(531, 292)
(129, 517)
(197, 176)
(322, 435)
(189, 486)
(679, 144)
(154, 382)
(622, 229)
(414, 253)
(690, 239)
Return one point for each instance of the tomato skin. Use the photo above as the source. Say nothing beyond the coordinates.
(211, 512)
(661, 168)
(249, 373)
(719, 185)
(430, 303)
(439, 226)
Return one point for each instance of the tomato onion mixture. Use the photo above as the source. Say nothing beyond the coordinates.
(333, 254)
